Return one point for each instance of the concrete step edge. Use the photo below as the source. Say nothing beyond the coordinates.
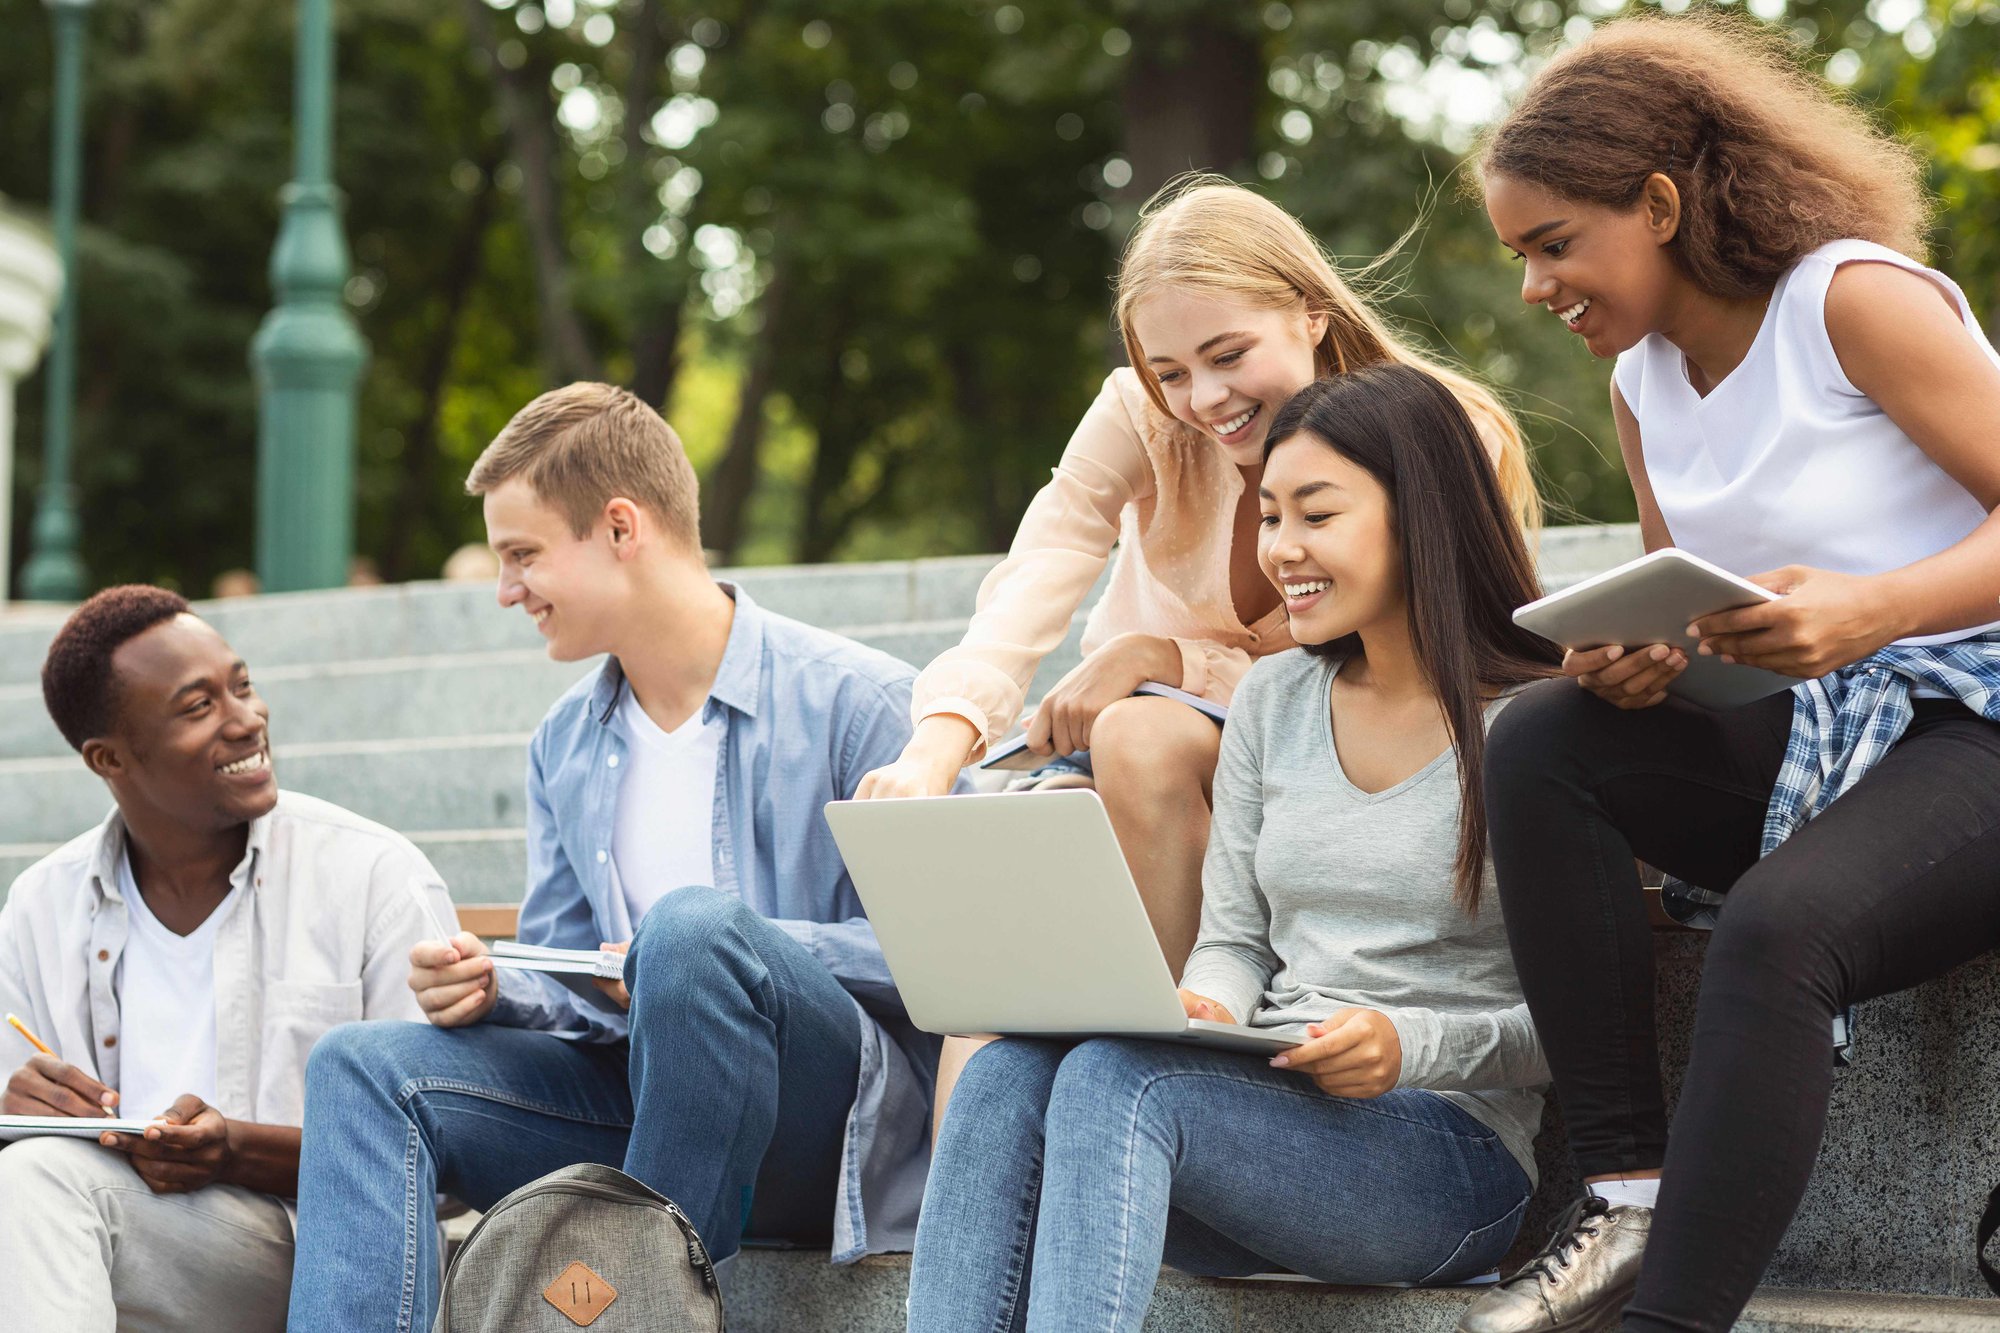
(778, 1289)
(27, 692)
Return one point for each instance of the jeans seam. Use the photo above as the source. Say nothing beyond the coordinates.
(1513, 1214)
(1024, 1248)
(412, 1245)
(416, 1086)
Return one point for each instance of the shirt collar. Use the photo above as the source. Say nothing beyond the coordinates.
(736, 679)
(111, 846)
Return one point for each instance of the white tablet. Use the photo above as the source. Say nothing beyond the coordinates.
(1653, 600)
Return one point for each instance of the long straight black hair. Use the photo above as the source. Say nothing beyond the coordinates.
(1465, 563)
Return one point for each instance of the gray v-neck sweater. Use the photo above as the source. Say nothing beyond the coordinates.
(1318, 896)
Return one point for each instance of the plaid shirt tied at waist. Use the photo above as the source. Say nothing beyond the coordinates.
(1842, 725)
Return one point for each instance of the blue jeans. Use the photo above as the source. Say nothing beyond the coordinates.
(736, 1084)
(1088, 1165)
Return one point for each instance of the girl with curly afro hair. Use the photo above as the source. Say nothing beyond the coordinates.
(1801, 399)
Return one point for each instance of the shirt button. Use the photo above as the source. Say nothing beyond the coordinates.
(612, 762)
(104, 955)
(601, 858)
(110, 1041)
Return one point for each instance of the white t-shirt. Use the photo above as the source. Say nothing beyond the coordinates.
(1786, 461)
(166, 1004)
(663, 837)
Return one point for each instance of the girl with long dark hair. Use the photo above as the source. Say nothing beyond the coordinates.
(1799, 399)
(1344, 903)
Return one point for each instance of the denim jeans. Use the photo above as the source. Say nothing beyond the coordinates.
(736, 1085)
(1085, 1166)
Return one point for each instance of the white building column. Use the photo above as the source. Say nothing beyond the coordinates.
(30, 282)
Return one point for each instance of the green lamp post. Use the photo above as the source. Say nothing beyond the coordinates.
(308, 353)
(54, 572)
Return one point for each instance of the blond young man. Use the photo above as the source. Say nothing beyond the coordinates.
(755, 1065)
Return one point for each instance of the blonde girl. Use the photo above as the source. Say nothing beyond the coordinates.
(1228, 307)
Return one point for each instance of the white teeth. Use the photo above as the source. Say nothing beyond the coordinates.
(1234, 424)
(1574, 313)
(241, 766)
(543, 614)
(1297, 590)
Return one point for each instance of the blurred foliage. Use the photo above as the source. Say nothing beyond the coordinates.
(861, 251)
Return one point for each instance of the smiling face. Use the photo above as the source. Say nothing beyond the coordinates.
(1225, 368)
(190, 738)
(573, 588)
(1605, 272)
(1327, 540)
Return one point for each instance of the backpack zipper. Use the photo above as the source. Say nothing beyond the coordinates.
(697, 1252)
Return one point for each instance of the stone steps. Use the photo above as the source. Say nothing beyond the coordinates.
(443, 695)
(422, 619)
(780, 1291)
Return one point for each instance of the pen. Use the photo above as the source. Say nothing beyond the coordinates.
(33, 1040)
(22, 1028)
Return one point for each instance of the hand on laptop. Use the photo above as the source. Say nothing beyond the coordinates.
(1354, 1053)
(453, 980)
(615, 989)
(928, 764)
(47, 1086)
(1207, 1010)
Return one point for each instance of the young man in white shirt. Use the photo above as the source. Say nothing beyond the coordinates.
(180, 960)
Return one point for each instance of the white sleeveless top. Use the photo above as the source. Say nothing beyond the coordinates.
(1785, 462)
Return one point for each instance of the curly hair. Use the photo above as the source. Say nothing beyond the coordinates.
(1771, 162)
(78, 686)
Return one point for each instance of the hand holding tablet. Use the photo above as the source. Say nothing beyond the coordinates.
(1648, 605)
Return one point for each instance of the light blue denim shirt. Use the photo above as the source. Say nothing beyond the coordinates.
(805, 714)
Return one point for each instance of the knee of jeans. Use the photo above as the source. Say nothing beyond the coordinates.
(1111, 1070)
(371, 1055)
(1011, 1070)
(678, 938)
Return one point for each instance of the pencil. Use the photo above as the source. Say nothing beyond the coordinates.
(33, 1040)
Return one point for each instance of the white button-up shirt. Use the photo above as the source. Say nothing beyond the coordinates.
(318, 934)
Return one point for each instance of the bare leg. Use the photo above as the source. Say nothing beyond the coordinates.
(1155, 766)
(951, 1063)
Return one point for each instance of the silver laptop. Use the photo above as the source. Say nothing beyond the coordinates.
(1016, 914)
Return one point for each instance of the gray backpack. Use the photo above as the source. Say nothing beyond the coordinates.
(583, 1247)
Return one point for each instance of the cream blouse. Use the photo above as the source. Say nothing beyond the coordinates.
(1167, 497)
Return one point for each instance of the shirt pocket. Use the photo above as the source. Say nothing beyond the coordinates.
(296, 1015)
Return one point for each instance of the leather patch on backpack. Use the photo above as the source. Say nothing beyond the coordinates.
(579, 1294)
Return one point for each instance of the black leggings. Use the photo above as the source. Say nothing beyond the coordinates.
(1897, 882)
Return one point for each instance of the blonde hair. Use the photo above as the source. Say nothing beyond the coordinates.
(1208, 234)
(1771, 161)
(586, 444)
